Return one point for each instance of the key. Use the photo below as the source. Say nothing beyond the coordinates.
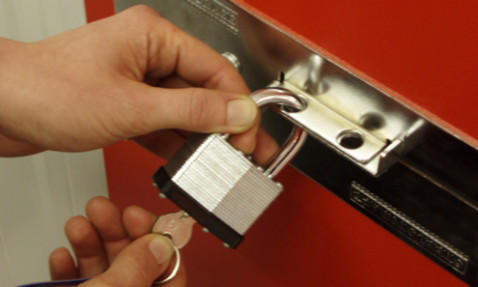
(178, 225)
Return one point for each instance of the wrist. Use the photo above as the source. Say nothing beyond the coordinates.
(9, 69)
(11, 80)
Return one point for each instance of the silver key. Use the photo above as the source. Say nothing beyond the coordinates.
(178, 225)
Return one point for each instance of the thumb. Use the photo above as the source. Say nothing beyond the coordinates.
(139, 264)
(197, 110)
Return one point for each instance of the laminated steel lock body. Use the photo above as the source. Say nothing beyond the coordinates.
(218, 185)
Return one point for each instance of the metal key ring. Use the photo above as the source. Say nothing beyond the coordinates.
(175, 270)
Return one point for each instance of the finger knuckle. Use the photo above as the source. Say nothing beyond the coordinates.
(141, 11)
(200, 111)
(141, 16)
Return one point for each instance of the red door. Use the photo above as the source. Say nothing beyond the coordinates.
(310, 237)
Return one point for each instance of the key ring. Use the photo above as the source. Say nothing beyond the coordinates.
(177, 264)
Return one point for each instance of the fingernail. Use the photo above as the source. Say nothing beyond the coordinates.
(161, 249)
(241, 112)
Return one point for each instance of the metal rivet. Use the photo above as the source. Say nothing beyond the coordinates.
(205, 230)
(313, 84)
(226, 245)
(162, 195)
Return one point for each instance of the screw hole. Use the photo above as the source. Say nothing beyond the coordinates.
(372, 121)
(350, 139)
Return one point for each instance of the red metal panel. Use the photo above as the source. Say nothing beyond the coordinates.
(425, 51)
(96, 10)
(309, 237)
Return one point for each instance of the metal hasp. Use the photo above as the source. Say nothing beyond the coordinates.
(403, 170)
(350, 116)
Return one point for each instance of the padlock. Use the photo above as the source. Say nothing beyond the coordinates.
(218, 185)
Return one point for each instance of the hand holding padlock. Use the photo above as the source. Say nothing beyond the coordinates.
(218, 185)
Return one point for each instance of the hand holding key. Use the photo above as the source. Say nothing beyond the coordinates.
(107, 240)
(178, 227)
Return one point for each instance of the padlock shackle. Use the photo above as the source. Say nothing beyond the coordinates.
(288, 100)
(287, 152)
(279, 97)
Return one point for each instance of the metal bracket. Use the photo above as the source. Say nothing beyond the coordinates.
(350, 116)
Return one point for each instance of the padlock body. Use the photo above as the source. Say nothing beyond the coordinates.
(218, 186)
